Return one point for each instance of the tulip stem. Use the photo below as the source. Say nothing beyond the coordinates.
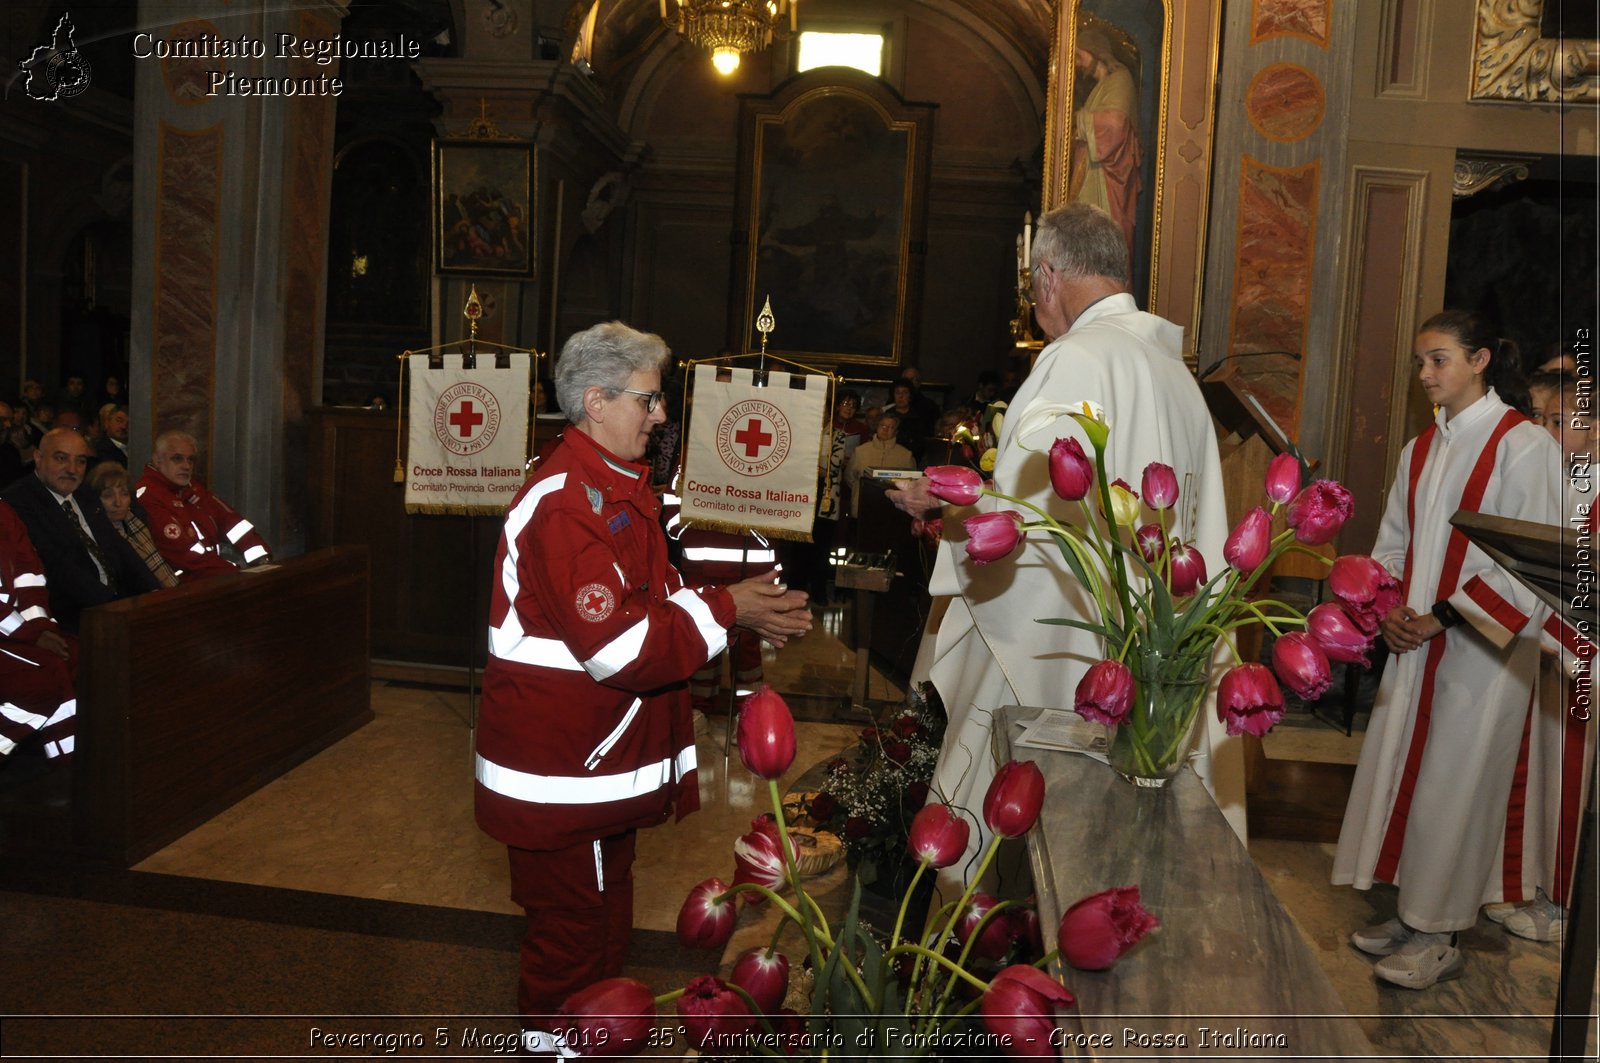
(905, 901)
(793, 869)
(942, 961)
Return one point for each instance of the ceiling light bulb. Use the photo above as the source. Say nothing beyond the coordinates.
(725, 59)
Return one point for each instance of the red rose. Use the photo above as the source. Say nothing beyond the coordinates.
(823, 806)
(856, 828)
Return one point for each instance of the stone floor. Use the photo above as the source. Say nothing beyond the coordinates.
(357, 884)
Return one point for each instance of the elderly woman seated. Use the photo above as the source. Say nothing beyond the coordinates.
(110, 481)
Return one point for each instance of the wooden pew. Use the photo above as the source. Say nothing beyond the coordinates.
(191, 698)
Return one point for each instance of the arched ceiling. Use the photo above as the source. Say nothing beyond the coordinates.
(624, 29)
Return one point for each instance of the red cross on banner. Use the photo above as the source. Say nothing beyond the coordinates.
(752, 438)
(465, 419)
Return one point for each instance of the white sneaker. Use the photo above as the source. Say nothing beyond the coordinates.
(1420, 962)
(1543, 920)
(1496, 913)
(1385, 939)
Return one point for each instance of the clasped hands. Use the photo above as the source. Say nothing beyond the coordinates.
(1404, 629)
(769, 608)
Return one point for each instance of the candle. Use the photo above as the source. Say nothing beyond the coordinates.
(1027, 240)
(1021, 262)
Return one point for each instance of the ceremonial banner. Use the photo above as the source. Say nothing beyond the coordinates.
(468, 438)
(751, 460)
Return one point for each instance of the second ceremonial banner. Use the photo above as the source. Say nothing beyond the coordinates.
(752, 457)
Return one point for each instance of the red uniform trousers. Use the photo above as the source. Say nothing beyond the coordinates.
(580, 916)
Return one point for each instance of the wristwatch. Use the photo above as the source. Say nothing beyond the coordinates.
(1446, 614)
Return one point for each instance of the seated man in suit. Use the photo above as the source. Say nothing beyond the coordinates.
(85, 561)
(36, 659)
(112, 443)
(192, 527)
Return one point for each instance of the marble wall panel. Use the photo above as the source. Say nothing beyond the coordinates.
(1284, 102)
(1273, 249)
(189, 176)
(1307, 19)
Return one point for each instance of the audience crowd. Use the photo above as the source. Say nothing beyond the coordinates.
(76, 533)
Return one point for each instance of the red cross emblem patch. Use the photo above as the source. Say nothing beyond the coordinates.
(172, 531)
(595, 602)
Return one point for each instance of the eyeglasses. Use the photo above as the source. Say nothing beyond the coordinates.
(652, 399)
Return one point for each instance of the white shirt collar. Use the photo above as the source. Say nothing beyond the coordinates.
(1461, 422)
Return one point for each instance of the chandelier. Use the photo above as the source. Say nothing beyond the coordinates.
(728, 27)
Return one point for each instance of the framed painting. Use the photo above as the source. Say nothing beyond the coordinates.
(483, 207)
(1117, 100)
(832, 208)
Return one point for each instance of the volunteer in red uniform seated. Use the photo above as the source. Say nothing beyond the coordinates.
(193, 528)
(36, 659)
(584, 732)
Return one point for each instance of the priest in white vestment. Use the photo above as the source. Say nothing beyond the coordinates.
(989, 651)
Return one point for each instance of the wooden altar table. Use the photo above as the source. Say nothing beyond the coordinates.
(1228, 974)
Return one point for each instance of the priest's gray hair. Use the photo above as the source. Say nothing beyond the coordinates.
(604, 356)
(1081, 240)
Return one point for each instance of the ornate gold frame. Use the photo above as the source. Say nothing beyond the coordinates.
(1511, 62)
(1060, 108)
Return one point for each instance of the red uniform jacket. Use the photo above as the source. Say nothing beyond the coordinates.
(190, 524)
(584, 729)
(36, 692)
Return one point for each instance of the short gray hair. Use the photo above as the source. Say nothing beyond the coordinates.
(165, 440)
(604, 356)
(1080, 240)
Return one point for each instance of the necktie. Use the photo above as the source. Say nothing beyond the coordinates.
(88, 543)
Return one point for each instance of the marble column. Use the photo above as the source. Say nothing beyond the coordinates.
(230, 249)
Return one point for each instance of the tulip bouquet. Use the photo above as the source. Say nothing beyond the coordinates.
(903, 995)
(873, 792)
(1158, 615)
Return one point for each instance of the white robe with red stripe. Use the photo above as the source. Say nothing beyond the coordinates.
(1438, 804)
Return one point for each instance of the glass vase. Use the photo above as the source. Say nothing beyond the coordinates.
(1154, 740)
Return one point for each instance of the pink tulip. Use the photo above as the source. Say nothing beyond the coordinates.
(1105, 693)
(997, 935)
(1301, 664)
(1283, 478)
(704, 922)
(1339, 635)
(1071, 471)
(1247, 547)
(766, 734)
(1012, 804)
(758, 858)
(938, 835)
(1188, 570)
(1248, 700)
(1020, 1006)
(764, 975)
(991, 536)
(714, 1016)
(1148, 540)
(1159, 485)
(1101, 927)
(1367, 590)
(1318, 512)
(954, 483)
(1025, 928)
(611, 1018)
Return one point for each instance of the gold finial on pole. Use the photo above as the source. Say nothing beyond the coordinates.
(764, 325)
(472, 312)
